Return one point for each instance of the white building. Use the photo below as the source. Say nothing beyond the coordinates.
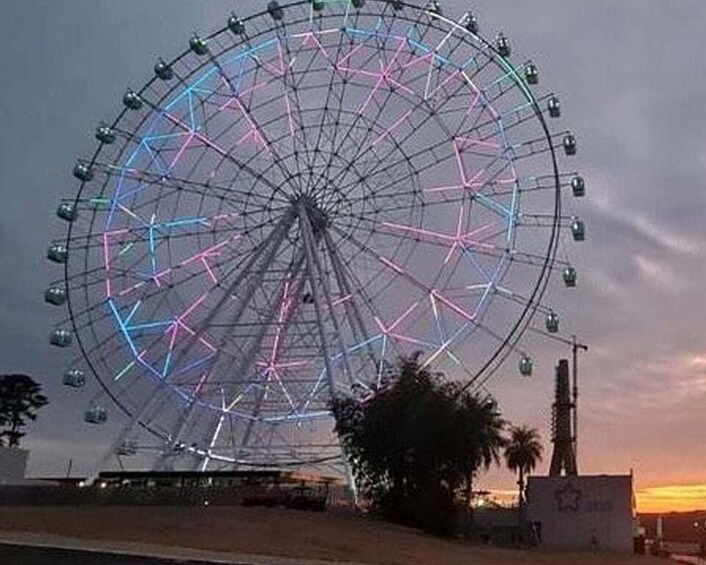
(584, 513)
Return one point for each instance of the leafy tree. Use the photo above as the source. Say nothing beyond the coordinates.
(522, 455)
(416, 444)
(20, 398)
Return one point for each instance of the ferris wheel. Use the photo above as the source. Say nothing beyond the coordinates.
(290, 205)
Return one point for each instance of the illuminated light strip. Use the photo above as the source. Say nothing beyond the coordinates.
(383, 350)
(416, 61)
(440, 86)
(310, 35)
(132, 312)
(179, 154)
(289, 114)
(124, 372)
(392, 265)
(153, 257)
(472, 141)
(392, 127)
(193, 307)
(437, 318)
(195, 364)
(365, 343)
(384, 76)
(459, 239)
(149, 325)
(255, 130)
(106, 255)
(460, 311)
(402, 317)
(155, 158)
(131, 288)
(209, 270)
(285, 303)
(337, 65)
(284, 390)
(170, 351)
(122, 327)
(125, 249)
(247, 91)
(342, 300)
(200, 384)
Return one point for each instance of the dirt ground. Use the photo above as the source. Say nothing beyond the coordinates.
(275, 532)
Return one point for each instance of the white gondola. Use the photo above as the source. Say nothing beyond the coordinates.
(61, 338)
(532, 74)
(275, 10)
(132, 100)
(471, 23)
(198, 45)
(434, 7)
(570, 275)
(163, 71)
(526, 366)
(578, 185)
(570, 145)
(554, 107)
(55, 295)
(58, 253)
(96, 415)
(578, 230)
(236, 25)
(502, 44)
(552, 323)
(74, 378)
(105, 134)
(83, 172)
(67, 212)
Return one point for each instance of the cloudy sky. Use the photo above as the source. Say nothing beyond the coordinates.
(632, 78)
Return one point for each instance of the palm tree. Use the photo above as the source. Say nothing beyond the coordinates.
(522, 454)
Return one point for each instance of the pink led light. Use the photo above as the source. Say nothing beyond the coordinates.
(342, 300)
(193, 307)
(179, 154)
(390, 264)
(389, 130)
(460, 311)
(389, 330)
(444, 83)
(312, 36)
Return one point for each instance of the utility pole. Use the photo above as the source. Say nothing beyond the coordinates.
(575, 347)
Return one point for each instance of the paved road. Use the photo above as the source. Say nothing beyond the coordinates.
(22, 555)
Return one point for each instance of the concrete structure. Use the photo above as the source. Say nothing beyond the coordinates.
(592, 512)
(13, 463)
(563, 424)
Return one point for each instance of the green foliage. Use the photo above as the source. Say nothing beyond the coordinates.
(20, 398)
(415, 445)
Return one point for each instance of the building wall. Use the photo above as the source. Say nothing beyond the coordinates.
(13, 462)
(583, 512)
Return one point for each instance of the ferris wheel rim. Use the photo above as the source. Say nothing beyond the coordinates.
(538, 292)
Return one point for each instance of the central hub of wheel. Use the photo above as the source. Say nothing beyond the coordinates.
(316, 216)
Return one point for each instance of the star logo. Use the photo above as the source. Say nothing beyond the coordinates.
(568, 498)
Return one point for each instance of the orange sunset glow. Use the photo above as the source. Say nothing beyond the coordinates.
(671, 498)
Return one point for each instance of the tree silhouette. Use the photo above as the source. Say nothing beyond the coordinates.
(415, 445)
(20, 398)
(522, 454)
